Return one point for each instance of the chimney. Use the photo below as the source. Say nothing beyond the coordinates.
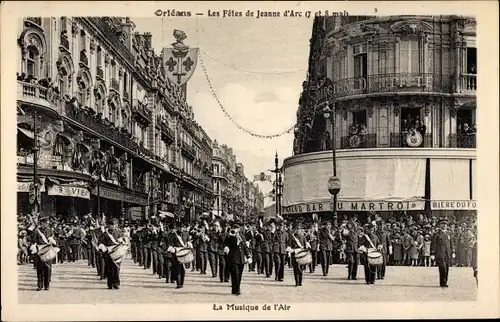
(148, 42)
(128, 28)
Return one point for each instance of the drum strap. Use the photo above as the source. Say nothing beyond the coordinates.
(180, 240)
(113, 240)
(297, 241)
(370, 241)
(44, 238)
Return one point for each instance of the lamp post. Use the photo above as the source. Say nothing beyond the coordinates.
(333, 182)
(35, 164)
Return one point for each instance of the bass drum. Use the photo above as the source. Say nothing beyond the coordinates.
(303, 256)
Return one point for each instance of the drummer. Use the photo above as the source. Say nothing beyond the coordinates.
(298, 242)
(177, 240)
(112, 236)
(42, 235)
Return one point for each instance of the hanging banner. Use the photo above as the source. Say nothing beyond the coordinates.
(179, 62)
(454, 205)
(355, 206)
(69, 191)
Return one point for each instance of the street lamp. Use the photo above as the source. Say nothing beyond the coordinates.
(35, 164)
(333, 182)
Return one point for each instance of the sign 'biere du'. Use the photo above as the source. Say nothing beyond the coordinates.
(179, 62)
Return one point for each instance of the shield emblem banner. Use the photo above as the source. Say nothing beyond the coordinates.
(179, 64)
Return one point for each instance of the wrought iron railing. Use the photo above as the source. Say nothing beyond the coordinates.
(467, 141)
(358, 141)
(394, 82)
(406, 140)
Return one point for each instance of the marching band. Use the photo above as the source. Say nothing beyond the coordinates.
(169, 248)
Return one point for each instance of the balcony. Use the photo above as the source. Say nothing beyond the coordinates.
(468, 84)
(139, 187)
(115, 85)
(65, 42)
(43, 162)
(392, 83)
(38, 95)
(358, 141)
(404, 140)
(188, 150)
(100, 72)
(467, 141)
(141, 113)
(84, 61)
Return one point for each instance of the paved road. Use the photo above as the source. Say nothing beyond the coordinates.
(74, 283)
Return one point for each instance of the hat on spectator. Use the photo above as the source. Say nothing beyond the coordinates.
(443, 221)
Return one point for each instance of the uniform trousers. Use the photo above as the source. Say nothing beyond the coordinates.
(268, 263)
(43, 272)
(101, 265)
(352, 265)
(74, 252)
(279, 264)
(382, 268)
(236, 271)
(112, 272)
(169, 270)
(297, 271)
(203, 259)
(312, 266)
(146, 256)
(160, 266)
(444, 268)
(154, 259)
(214, 263)
(325, 260)
(91, 258)
(179, 271)
(259, 263)
(223, 269)
(370, 271)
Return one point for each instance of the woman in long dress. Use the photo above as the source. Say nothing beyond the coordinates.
(398, 250)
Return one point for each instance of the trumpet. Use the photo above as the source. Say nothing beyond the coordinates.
(232, 232)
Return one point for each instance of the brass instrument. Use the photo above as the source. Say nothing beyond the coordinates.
(232, 232)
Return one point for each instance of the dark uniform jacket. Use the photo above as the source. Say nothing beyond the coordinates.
(351, 245)
(221, 238)
(293, 241)
(267, 242)
(383, 236)
(374, 238)
(174, 240)
(442, 246)
(237, 252)
(313, 240)
(154, 238)
(259, 241)
(325, 243)
(106, 240)
(213, 243)
(280, 241)
(250, 236)
(37, 238)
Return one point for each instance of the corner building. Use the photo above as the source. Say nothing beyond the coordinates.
(108, 121)
(403, 90)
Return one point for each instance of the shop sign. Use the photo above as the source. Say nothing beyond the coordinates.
(69, 191)
(43, 160)
(355, 206)
(117, 195)
(25, 187)
(454, 205)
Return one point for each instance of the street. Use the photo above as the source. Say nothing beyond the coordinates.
(74, 283)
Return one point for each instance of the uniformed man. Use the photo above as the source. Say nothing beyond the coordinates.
(297, 241)
(312, 238)
(258, 254)
(443, 251)
(237, 256)
(385, 241)
(250, 239)
(267, 249)
(176, 240)
(369, 240)
(222, 257)
(154, 237)
(351, 235)
(42, 236)
(325, 246)
(280, 242)
(213, 247)
(112, 237)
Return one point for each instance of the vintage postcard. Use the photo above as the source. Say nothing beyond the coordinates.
(249, 160)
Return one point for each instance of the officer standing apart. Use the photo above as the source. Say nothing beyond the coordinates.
(237, 255)
(443, 251)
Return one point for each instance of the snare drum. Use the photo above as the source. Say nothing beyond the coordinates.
(47, 253)
(184, 255)
(303, 256)
(117, 252)
(375, 257)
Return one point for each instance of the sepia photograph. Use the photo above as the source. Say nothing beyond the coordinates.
(245, 159)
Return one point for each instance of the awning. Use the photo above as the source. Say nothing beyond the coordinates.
(30, 134)
(367, 184)
(164, 214)
(451, 185)
(69, 191)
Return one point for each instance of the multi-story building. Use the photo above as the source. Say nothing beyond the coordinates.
(399, 95)
(110, 123)
(234, 193)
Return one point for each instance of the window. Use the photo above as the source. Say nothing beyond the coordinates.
(99, 56)
(471, 61)
(32, 62)
(360, 66)
(82, 93)
(83, 40)
(112, 113)
(409, 56)
(125, 83)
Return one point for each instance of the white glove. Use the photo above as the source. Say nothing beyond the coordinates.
(33, 249)
(308, 246)
(432, 257)
(379, 247)
(102, 248)
(390, 250)
(189, 245)
(362, 249)
(453, 255)
(171, 249)
(288, 249)
(226, 250)
(247, 243)
(249, 260)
